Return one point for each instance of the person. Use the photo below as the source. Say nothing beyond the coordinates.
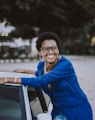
(56, 77)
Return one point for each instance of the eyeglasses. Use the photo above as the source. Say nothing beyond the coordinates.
(47, 48)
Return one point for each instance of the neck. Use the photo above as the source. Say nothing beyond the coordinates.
(50, 66)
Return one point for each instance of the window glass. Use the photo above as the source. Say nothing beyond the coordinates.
(11, 100)
(39, 101)
(35, 105)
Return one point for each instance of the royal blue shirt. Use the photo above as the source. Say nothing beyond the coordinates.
(65, 93)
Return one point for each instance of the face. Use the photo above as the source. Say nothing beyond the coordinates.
(49, 51)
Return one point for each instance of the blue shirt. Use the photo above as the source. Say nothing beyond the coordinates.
(66, 95)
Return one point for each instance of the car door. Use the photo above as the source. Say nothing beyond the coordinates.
(22, 99)
(12, 104)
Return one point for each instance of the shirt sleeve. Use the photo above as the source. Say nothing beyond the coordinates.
(59, 72)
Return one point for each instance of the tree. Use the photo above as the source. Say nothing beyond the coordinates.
(65, 17)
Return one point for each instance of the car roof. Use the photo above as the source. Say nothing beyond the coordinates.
(15, 75)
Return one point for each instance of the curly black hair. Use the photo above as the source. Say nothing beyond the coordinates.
(47, 35)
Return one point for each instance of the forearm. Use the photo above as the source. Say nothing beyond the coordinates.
(12, 80)
(25, 71)
(29, 71)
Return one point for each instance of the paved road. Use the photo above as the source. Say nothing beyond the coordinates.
(85, 70)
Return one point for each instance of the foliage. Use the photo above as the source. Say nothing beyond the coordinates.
(70, 19)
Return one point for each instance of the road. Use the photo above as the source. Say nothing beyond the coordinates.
(84, 67)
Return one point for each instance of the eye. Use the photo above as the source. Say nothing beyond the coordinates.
(54, 47)
(47, 48)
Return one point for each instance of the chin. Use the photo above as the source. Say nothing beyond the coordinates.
(51, 62)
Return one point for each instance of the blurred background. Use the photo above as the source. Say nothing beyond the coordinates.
(21, 21)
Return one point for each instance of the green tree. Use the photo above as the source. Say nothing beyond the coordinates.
(70, 19)
(61, 15)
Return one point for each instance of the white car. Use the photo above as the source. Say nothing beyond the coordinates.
(18, 102)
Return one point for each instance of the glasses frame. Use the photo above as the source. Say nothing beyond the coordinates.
(46, 49)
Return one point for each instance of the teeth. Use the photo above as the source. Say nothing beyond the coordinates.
(50, 56)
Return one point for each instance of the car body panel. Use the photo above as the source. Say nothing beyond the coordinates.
(23, 102)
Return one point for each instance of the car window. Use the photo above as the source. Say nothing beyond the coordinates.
(38, 101)
(12, 103)
(35, 104)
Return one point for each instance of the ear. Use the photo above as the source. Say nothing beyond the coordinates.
(40, 56)
(39, 53)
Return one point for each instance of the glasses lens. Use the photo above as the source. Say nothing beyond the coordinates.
(47, 48)
(54, 47)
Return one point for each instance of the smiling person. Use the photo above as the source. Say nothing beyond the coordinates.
(57, 77)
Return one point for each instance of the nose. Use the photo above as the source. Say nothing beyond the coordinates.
(50, 50)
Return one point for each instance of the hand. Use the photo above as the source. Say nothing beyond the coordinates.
(25, 71)
(19, 71)
(2, 81)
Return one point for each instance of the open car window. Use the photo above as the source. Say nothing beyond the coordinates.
(39, 101)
